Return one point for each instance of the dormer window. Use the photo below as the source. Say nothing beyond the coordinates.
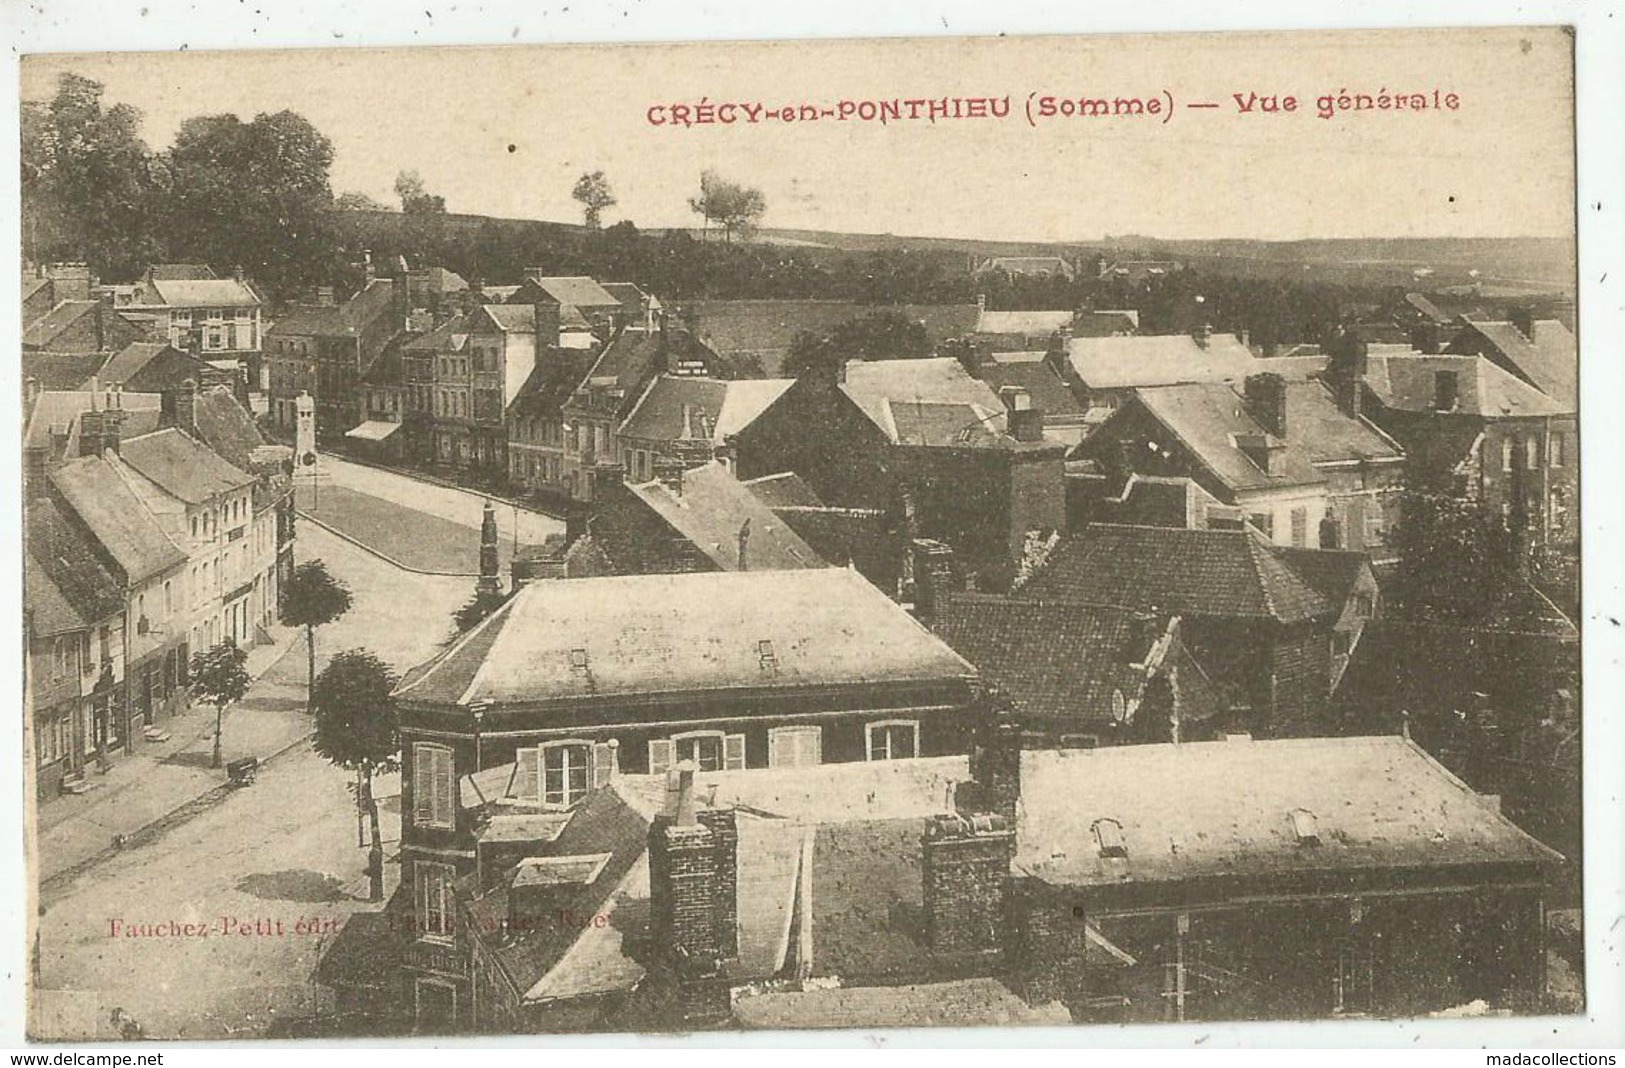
(765, 655)
(1109, 839)
(578, 661)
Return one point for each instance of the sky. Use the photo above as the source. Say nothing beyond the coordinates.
(505, 131)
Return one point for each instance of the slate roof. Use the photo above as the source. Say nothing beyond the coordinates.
(1050, 394)
(1407, 382)
(1208, 418)
(341, 320)
(203, 293)
(1551, 360)
(1377, 803)
(1105, 322)
(1158, 360)
(182, 466)
(227, 427)
(685, 633)
(628, 294)
(1057, 662)
(449, 336)
(1426, 308)
(576, 291)
(117, 518)
(61, 370)
(557, 374)
(1023, 323)
(1212, 573)
(67, 587)
(658, 413)
(634, 357)
(1028, 265)
(783, 489)
(169, 272)
(46, 328)
(126, 365)
(712, 509)
(880, 387)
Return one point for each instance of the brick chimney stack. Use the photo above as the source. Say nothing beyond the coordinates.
(684, 883)
(995, 763)
(180, 406)
(1266, 402)
(1346, 369)
(966, 864)
(744, 545)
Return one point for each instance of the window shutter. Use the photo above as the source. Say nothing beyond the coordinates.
(526, 784)
(605, 763)
(813, 746)
(660, 755)
(422, 790)
(444, 785)
(733, 752)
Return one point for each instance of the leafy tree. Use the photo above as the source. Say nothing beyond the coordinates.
(220, 677)
(357, 730)
(354, 201)
(734, 207)
(90, 187)
(415, 199)
(1460, 560)
(885, 335)
(255, 195)
(313, 598)
(594, 193)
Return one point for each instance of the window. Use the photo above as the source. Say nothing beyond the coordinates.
(1341, 643)
(566, 774)
(1109, 839)
(1531, 452)
(1507, 445)
(1305, 827)
(1556, 444)
(434, 900)
(710, 751)
(795, 747)
(433, 786)
(893, 740)
(1300, 527)
(1263, 522)
(1364, 605)
(62, 653)
(169, 599)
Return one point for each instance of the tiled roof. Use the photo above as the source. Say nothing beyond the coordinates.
(203, 293)
(1332, 573)
(686, 633)
(1375, 803)
(711, 511)
(1408, 381)
(1213, 573)
(1059, 663)
(1158, 360)
(932, 423)
(343, 320)
(557, 374)
(117, 518)
(1551, 360)
(68, 588)
(59, 410)
(877, 387)
(227, 427)
(169, 272)
(182, 466)
(1029, 265)
(1050, 394)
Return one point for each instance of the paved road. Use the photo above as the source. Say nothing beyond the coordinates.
(266, 858)
(455, 505)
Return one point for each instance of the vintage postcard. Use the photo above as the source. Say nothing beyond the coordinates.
(951, 532)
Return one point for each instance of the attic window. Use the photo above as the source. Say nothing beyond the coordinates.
(578, 661)
(560, 871)
(1305, 826)
(765, 655)
(1109, 838)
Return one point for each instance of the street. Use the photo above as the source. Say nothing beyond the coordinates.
(213, 929)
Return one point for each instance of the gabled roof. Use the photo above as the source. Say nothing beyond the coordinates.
(1028, 265)
(759, 333)
(785, 489)
(62, 370)
(182, 466)
(173, 272)
(1213, 573)
(1209, 419)
(1332, 573)
(342, 320)
(1158, 360)
(117, 518)
(878, 387)
(1426, 308)
(68, 588)
(1023, 323)
(227, 427)
(1375, 802)
(48, 327)
(576, 291)
(686, 633)
(449, 336)
(58, 411)
(201, 293)
(126, 365)
(1105, 322)
(1049, 392)
(711, 512)
(629, 295)
(1407, 382)
(556, 375)
(715, 408)
(1550, 360)
(633, 357)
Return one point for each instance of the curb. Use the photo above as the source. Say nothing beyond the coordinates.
(444, 483)
(385, 557)
(155, 829)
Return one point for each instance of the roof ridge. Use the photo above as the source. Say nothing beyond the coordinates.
(439, 661)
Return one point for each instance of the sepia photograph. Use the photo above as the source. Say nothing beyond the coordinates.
(915, 532)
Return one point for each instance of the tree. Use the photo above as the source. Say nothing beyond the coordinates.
(357, 730)
(255, 195)
(220, 677)
(313, 598)
(734, 207)
(354, 201)
(415, 199)
(593, 190)
(1460, 561)
(885, 335)
(90, 187)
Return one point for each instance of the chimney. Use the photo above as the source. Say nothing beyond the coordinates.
(534, 274)
(1523, 317)
(547, 325)
(1446, 390)
(966, 867)
(744, 545)
(935, 575)
(1266, 402)
(670, 474)
(1202, 334)
(995, 763)
(489, 583)
(1346, 368)
(237, 273)
(184, 406)
(684, 884)
(100, 431)
(723, 825)
(981, 302)
(1024, 422)
(368, 271)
